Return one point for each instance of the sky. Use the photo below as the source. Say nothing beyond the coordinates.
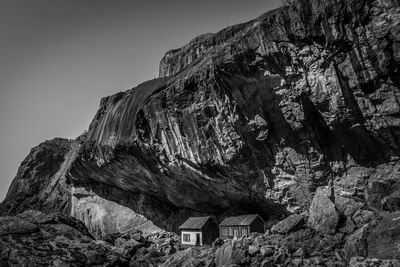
(59, 58)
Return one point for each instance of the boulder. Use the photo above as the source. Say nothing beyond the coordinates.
(232, 252)
(266, 251)
(253, 250)
(356, 244)
(137, 236)
(223, 255)
(323, 214)
(384, 239)
(291, 223)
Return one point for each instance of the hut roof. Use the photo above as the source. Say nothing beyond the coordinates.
(242, 220)
(194, 223)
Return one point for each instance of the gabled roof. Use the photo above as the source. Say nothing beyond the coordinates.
(240, 220)
(194, 223)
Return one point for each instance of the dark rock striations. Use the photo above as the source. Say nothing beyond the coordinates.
(254, 118)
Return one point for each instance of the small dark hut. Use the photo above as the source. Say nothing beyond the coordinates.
(198, 231)
(239, 226)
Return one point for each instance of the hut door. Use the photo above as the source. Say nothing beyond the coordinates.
(235, 233)
(197, 239)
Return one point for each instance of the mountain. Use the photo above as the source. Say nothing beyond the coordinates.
(257, 116)
(294, 112)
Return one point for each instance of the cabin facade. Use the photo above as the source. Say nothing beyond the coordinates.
(198, 231)
(240, 226)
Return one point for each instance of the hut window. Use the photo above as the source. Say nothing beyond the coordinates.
(186, 237)
(224, 231)
(230, 231)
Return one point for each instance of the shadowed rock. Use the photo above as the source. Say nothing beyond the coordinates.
(384, 239)
(292, 223)
(254, 118)
(323, 214)
(356, 244)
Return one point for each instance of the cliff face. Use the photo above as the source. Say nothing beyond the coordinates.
(40, 181)
(254, 118)
(296, 111)
(41, 185)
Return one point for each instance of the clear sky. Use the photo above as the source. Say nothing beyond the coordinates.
(58, 58)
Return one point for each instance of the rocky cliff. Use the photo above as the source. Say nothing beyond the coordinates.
(257, 116)
(40, 181)
(296, 111)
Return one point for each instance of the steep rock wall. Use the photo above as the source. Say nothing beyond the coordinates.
(251, 119)
(256, 117)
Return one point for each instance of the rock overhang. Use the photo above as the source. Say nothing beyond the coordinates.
(263, 117)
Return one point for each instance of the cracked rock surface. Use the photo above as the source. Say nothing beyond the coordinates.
(256, 117)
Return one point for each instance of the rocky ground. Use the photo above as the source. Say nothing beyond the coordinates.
(366, 238)
(33, 238)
